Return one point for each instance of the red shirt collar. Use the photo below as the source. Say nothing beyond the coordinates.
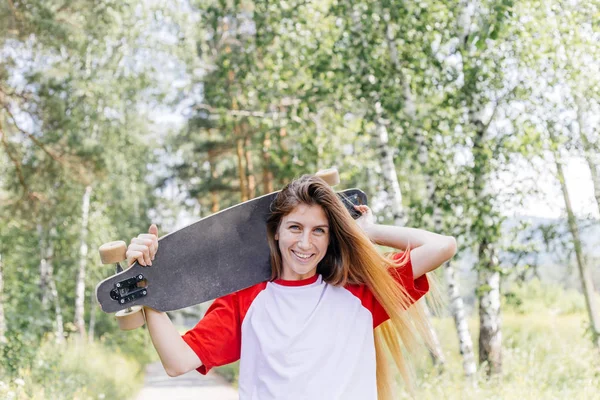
(302, 282)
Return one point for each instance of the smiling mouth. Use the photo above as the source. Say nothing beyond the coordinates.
(302, 257)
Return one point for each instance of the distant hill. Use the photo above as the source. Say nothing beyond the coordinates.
(555, 261)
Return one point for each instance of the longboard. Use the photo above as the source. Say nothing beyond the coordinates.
(217, 255)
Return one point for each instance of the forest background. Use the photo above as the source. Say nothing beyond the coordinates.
(473, 118)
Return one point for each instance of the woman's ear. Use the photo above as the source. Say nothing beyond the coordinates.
(277, 236)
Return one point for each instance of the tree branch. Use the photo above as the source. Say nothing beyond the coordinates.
(14, 11)
(22, 96)
(285, 102)
(14, 160)
(31, 136)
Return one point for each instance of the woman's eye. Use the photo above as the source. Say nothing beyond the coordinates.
(294, 227)
(320, 230)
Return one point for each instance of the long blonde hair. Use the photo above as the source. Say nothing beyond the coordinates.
(352, 258)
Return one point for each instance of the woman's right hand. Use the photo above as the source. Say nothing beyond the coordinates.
(143, 247)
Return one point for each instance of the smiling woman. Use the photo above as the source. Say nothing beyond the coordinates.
(320, 328)
(303, 238)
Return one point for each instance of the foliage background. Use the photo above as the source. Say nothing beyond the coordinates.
(455, 116)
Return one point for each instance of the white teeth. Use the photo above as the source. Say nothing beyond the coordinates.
(305, 256)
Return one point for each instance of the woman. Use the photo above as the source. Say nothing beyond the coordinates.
(319, 328)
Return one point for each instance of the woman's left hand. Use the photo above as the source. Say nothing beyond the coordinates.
(367, 220)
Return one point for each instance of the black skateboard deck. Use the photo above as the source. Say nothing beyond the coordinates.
(217, 255)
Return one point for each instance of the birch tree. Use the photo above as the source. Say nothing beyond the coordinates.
(81, 274)
(584, 272)
(2, 317)
(478, 92)
(565, 65)
(590, 149)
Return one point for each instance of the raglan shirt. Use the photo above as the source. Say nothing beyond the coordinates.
(301, 339)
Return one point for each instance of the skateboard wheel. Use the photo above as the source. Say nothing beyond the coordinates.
(113, 252)
(131, 318)
(331, 176)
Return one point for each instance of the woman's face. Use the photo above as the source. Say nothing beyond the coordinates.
(303, 237)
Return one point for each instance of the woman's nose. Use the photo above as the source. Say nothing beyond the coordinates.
(304, 242)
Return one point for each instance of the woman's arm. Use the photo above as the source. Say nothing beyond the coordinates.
(428, 250)
(176, 356)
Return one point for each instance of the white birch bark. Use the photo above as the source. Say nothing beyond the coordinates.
(488, 288)
(2, 318)
(591, 156)
(92, 323)
(388, 170)
(381, 138)
(83, 253)
(584, 272)
(48, 288)
(490, 321)
(59, 324)
(44, 285)
(457, 309)
(437, 355)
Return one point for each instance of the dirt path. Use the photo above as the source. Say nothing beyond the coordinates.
(159, 386)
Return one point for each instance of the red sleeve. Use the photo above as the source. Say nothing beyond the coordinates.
(416, 288)
(217, 338)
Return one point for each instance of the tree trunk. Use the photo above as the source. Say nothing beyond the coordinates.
(241, 168)
(490, 322)
(44, 285)
(48, 288)
(237, 134)
(214, 197)
(584, 272)
(266, 161)
(79, 318)
(390, 177)
(437, 356)
(409, 107)
(60, 331)
(250, 170)
(457, 309)
(591, 155)
(2, 318)
(92, 324)
(488, 288)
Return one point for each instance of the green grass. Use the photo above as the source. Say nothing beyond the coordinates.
(545, 356)
(69, 371)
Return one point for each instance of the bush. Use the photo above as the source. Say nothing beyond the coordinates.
(534, 297)
(71, 371)
(230, 372)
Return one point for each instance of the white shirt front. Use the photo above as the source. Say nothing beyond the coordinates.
(297, 340)
(307, 342)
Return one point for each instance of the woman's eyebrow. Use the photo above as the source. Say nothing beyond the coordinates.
(298, 223)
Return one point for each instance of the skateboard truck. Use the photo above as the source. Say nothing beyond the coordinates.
(127, 290)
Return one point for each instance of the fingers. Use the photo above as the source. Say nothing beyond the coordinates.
(136, 254)
(149, 240)
(143, 248)
(363, 209)
(153, 230)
